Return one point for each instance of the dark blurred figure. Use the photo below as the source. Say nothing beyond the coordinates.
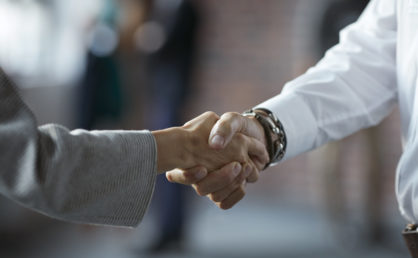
(101, 95)
(338, 15)
(168, 39)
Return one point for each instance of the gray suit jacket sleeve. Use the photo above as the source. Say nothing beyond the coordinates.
(97, 177)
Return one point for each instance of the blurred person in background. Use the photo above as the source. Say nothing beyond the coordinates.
(168, 40)
(101, 99)
(356, 85)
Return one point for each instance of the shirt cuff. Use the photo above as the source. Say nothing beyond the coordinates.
(142, 151)
(133, 189)
(297, 120)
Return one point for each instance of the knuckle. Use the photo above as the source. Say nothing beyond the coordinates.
(242, 191)
(200, 193)
(265, 157)
(199, 190)
(225, 206)
(216, 197)
(212, 114)
(212, 197)
(230, 115)
(188, 177)
(256, 176)
(240, 137)
(253, 177)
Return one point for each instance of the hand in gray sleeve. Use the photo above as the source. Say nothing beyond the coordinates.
(99, 177)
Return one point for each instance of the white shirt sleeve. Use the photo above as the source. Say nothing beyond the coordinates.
(352, 87)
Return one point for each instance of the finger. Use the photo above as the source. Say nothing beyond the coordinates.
(218, 179)
(225, 128)
(233, 199)
(251, 172)
(253, 177)
(258, 152)
(186, 177)
(222, 194)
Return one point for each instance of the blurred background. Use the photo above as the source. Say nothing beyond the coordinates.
(135, 64)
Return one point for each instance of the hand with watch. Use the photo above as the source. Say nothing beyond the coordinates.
(257, 123)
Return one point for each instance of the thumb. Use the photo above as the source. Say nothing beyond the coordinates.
(225, 128)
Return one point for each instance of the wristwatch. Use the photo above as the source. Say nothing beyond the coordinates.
(274, 133)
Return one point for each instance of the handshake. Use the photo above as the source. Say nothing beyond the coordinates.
(216, 155)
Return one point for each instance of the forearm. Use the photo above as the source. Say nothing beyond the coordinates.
(90, 177)
(172, 151)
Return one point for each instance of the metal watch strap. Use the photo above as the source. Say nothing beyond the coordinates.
(265, 125)
(281, 142)
(276, 146)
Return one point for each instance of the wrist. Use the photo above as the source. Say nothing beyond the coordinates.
(171, 150)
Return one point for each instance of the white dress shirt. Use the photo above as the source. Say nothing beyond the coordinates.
(356, 85)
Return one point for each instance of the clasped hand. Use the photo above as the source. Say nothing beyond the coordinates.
(218, 156)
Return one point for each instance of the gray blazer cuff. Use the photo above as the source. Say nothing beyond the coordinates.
(140, 175)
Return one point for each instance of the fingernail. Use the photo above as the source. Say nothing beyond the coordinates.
(217, 140)
(237, 169)
(200, 174)
(247, 170)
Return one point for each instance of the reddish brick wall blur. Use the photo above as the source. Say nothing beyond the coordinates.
(242, 61)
